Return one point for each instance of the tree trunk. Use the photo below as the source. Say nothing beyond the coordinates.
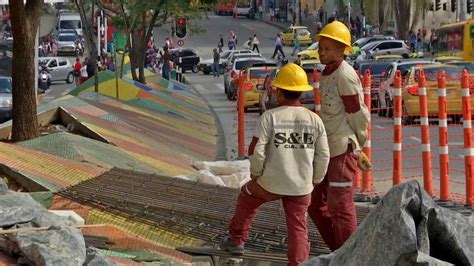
(88, 33)
(402, 14)
(25, 21)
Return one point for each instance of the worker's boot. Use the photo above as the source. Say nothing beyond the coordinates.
(229, 246)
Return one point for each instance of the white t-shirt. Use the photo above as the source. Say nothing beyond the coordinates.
(84, 71)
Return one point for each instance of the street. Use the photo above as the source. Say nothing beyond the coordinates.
(212, 89)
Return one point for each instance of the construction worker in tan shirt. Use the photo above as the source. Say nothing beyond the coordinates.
(289, 154)
(346, 119)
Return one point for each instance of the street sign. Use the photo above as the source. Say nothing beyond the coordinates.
(180, 42)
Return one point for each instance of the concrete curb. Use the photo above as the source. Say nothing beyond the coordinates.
(221, 153)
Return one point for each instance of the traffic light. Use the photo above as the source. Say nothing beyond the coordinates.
(470, 6)
(181, 27)
(454, 5)
(438, 5)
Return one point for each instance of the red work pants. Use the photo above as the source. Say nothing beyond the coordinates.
(251, 196)
(332, 206)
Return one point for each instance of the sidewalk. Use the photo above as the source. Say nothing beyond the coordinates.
(308, 22)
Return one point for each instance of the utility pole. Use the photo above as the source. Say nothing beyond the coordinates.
(462, 10)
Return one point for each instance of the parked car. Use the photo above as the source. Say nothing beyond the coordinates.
(378, 71)
(288, 35)
(310, 53)
(230, 65)
(59, 68)
(253, 77)
(6, 101)
(365, 40)
(268, 99)
(387, 47)
(234, 56)
(206, 65)
(469, 66)
(244, 8)
(410, 95)
(70, 21)
(186, 59)
(67, 43)
(233, 75)
(386, 86)
(397, 47)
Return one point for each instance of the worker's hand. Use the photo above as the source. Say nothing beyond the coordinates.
(363, 162)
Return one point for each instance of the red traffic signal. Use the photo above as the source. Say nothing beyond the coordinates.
(181, 28)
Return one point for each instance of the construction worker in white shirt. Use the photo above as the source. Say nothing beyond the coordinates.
(288, 155)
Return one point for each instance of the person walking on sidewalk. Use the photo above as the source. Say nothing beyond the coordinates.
(346, 119)
(255, 43)
(288, 155)
(278, 47)
(166, 58)
(297, 45)
(215, 63)
(77, 72)
(220, 43)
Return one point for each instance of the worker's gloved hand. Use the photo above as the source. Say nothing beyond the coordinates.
(363, 162)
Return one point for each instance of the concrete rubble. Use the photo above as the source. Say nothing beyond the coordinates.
(407, 228)
(231, 174)
(60, 244)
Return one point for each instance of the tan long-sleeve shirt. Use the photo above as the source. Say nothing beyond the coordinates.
(289, 151)
(343, 111)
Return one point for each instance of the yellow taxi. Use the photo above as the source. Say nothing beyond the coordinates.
(446, 59)
(410, 94)
(252, 77)
(288, 35)
(310, 53)
(387, 57)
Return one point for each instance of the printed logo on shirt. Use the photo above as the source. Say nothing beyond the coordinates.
(294, 140)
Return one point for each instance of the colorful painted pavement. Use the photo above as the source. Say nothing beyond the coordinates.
(155, 128)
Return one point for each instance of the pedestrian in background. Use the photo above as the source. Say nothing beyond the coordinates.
(166, 58)
(84, 72)
(306, 11)
(215, 63)
(278, 47)
(412, 41)
(297, 45)
(247, 45)
(54, 49)
(288, 155)
(220, 43)
(255, 43)
(77, 71)
(345, 118)
(321, 14)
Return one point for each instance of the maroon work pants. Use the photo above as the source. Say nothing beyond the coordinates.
(251, 196)
(332, 206)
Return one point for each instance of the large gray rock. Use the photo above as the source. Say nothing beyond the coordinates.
(408, 228)
(59, 245)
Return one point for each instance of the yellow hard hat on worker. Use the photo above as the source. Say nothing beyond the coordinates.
(339, 32)
(292, 77)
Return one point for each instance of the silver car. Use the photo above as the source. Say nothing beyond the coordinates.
(6, 101)
(59, 68)
(397, 47)
(66, 43)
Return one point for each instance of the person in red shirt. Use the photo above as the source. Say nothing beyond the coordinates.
(77, 72)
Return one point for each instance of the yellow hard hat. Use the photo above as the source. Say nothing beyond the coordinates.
(337, 31)
(292, 77)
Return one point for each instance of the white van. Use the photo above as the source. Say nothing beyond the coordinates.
(70, 21)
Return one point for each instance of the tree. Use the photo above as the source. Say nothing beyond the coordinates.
(139, 17)
(407, 15)
(86, 11)
(25, 17)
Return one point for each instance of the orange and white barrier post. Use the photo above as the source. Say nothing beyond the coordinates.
(317, 96)
(425, 134)
(468, 148)
(241, 118)
(397, 129)
(443, 137)
(367, 175)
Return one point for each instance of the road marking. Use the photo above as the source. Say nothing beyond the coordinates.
(200, 88)
(379, 127)
(220, 86)
(415, 139)
(456, 143)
